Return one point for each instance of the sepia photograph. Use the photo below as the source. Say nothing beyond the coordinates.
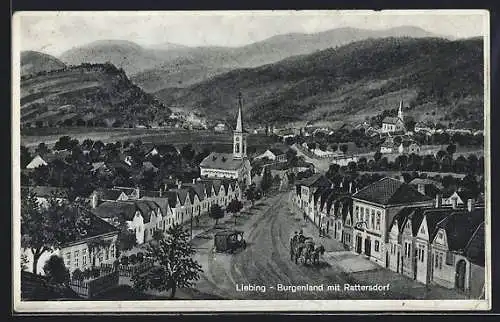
(184, 161)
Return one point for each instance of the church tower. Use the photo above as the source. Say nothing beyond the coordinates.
(239, 137)
(400, 111)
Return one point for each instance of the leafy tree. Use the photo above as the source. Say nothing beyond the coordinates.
(56, 271)
(312, 146)
(46, 228)
(173, 267)
(251, 193)
(216, 213)
(344, 148)
(452, 148)
(234, 207)
(64, 143)
(42, 148)
(188, 153)
(77, 275)
(126, 238)
(26, 156)
(377, 156)
(157, 235)
(267, 180)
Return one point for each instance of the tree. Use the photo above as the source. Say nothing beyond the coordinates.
(47, 228)
(452, 148)
(188, 153)
(377, 156)
(64, 143)
(26, 156)
(234, 207)
(173, 267)
(267, 180)
(56, 271)
(42, 148)
(344, 148)
(251, 193)
(216, 213)
(157, 235)
(126, 237)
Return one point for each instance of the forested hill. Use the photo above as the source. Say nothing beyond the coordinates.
(436, 78)
(87, 94)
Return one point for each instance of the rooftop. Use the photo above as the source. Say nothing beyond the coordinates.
(389, 191)
(223, 161)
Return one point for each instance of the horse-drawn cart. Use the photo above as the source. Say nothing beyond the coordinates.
(306, 252)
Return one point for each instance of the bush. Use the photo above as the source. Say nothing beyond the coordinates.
(78, 275)
(124, 260)
(140, 257)
(133, 259)
(95, 272)
(56, 271)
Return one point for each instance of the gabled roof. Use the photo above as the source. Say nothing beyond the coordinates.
(389, 191)
(418, 181)
(149, 194)
(96, 226)
(162, 202)
(465, 195)
(391, 120)
(182, 194)
(126, 209)
(460, 226)
(316, 180)
(172, 198)
(163, 149)
(277, 151)
(109, 194)
(401, 218)
(223, 161)
(198, 188)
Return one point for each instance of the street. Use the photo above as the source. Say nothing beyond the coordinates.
(257, 271)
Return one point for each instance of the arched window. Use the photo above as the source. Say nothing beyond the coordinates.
(237, 148)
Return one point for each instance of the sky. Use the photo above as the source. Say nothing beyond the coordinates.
(56, 32)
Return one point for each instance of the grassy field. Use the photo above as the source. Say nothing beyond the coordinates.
(178, 137)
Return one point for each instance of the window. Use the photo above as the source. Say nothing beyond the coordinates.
(436, 262)
(377, 223)
(112, 251)
(76, 258)
(450, 258)
(377, 246)
(423, 255)
(372, 217)
(440, 261)
(68, 259)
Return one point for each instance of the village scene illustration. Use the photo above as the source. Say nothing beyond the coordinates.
(252, 157)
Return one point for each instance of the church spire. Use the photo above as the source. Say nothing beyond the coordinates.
(239, 127)
(400, 112)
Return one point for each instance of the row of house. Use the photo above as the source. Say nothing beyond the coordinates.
(144, 212)
(397, 226)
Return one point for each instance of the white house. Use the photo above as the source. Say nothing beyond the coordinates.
(394, 124)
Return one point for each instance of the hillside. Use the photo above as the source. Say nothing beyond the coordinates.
(92, 95)
(171, 65)
(33, 62)
(437, 78)
(202, 63)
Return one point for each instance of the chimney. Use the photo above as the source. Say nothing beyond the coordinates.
(161, 191)
(179, 184)
(350, 187)
(137, 192)
(194, 180)
(421, 188)
(438, 201)
(470, 205)
(332, 186)
(454, 203)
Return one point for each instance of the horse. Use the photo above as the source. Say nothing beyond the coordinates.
(320, 250)
(306, 252)
(298, 249)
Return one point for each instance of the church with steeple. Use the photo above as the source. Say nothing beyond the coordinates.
(394, 124)
(230, 165)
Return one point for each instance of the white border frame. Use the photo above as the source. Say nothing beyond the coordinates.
(166, 306)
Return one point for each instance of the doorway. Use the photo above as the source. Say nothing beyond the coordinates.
(358, 244)
(368, 247)
(460, 275)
